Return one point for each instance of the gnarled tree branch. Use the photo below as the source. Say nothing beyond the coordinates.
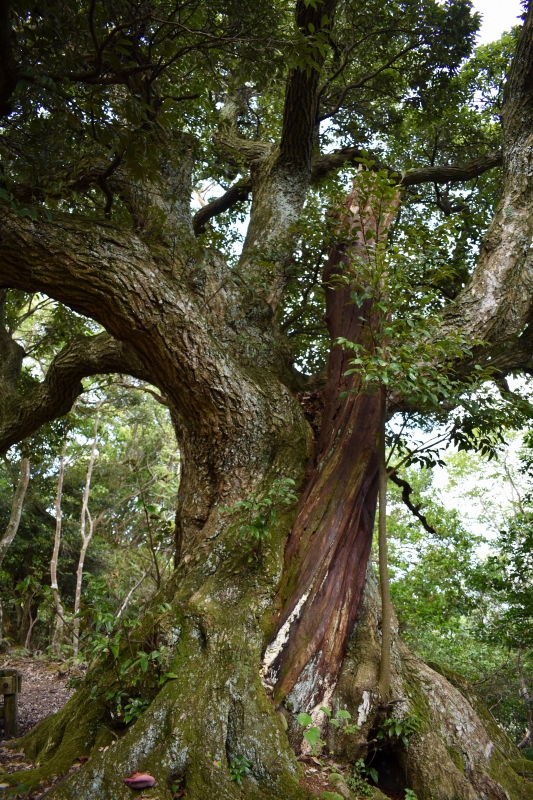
(497, 303)
(328, 163)
(23, 414)
(236, 194)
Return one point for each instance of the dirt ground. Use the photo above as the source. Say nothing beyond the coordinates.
(44, 689)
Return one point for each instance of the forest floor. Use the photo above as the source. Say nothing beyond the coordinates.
(44, 691)
(44, 688)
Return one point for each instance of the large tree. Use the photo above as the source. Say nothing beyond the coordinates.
(112, 112)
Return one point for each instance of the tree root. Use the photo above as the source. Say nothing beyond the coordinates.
(216, 713)
(458, 752)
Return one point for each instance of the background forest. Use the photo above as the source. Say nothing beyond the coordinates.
(103, 480)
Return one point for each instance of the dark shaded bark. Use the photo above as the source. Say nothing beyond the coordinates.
(8, 65)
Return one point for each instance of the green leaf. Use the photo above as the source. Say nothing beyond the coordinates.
(304, 719)
(373, 774)
(312, 735)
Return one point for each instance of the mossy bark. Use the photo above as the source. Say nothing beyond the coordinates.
(458, 752)
(214, 710)
(217, 709)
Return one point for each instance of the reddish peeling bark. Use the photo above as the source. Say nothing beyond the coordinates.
(329, 546)
(328, 549)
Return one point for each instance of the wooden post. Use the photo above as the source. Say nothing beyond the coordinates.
(10, 684)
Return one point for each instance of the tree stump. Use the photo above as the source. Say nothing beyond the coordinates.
(10, 685)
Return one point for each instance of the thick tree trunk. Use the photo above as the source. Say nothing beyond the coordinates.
(458, 753)
(223, 594)
(329, 545)
(212, 350)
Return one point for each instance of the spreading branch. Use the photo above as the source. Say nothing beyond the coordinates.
(101, 354)
(326, 164)
(238, 193)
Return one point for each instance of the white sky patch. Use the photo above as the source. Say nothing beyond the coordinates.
(498, 16)
(487, 494)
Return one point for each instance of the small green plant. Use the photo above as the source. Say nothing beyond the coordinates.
(261, 513)
(127, 708)
(134, 708)
(341, 720)
(401, 729)
(410, 795)
(358, 780)
(239, 767)
(312, 733)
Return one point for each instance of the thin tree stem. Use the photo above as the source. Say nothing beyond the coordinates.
(130, 594)
(384, 667)
(58, 632)
(16, 507)
(526, 697)
(85, 539)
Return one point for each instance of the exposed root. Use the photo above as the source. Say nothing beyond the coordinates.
(459, 752)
